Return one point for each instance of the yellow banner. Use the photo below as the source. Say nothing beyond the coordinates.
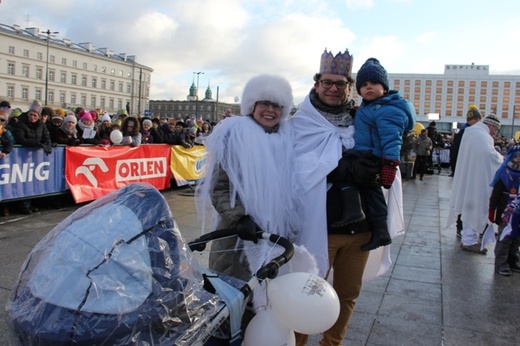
(186, 164)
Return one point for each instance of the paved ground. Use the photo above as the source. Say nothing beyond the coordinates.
(434, 294)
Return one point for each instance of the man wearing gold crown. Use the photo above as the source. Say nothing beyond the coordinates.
(323, 129)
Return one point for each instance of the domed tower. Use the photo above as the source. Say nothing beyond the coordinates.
(209, 94)
(193, 92)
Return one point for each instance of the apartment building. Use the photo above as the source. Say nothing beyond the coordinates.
(35, 64)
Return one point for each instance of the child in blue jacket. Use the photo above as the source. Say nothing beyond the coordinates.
(380, 122)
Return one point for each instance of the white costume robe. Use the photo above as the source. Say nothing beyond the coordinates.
(477, 163)
(318, 148)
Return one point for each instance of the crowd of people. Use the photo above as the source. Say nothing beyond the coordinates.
(44, 127)
(321, 177)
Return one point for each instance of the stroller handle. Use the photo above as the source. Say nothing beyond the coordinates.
(268, 271)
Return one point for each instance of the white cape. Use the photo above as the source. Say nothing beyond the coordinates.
(318, 148)
(477, 163)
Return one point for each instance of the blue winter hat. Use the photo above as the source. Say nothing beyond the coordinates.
(371, 71)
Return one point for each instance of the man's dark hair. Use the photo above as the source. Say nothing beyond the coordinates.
(317, 77)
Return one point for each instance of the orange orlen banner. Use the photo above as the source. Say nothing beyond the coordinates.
(186, 164)
(92, 172)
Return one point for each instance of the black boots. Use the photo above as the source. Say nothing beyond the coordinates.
(380, 236)
(351, 208)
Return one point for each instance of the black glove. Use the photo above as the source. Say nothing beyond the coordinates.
(247, 228)
(47, 148)
(361, 168)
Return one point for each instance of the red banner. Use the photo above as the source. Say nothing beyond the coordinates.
(92, 172)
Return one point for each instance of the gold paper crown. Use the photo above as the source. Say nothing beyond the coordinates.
(340, 64)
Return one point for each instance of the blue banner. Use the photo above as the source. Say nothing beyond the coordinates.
(28, 172)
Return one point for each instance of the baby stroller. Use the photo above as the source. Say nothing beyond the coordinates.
(118, 272)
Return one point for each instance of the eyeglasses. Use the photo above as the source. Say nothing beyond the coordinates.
(266, 104)
(340, 84)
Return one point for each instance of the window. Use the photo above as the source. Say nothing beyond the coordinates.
(26, 53)
(483, 84)
(507, 84)
(494, 92)
(438, 90)
(428, 82)
(495, 84)
(483, 99)
(119, 104)
(10, 68)
(73, 79)
(407, 82)
(11, 49)
(428, 90)
(428, 97)
(438, 83)
(102, 103)
(505, 99)
(494, 99)
(450, 90)
(483, 91)
(25, 94)
(25, 70)
(506, 92)
(471, 99)
(10, 91)
(417, 82)
(94, 68)
(128, 88)
(129, 75)
(112, 85)
(84, 81)
(472, 91)
(51, 75)
(450, 83)
(438, 97)
(62, 97)
(63, 77)
(103, 84)
(417, 89)
(38, 94)
(461, 83)
(111, 104)
(93, 102)
(52, 58)
(460, 90)
(51, 96)
(112, 71)
(406, 89)
(64, 61)
(85, 65)
(120, 73)
(73, 98)
(472, 83)
(460, 98)
(39, 56)
(74, 63)
(120, 87)
(104, 69)
(83, 100)
(449, 97)
(94, 82)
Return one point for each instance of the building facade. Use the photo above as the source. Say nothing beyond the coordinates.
(447, 96)
(207, 108)
(60, 73)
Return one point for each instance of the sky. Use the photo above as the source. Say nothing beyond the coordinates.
(231, 41)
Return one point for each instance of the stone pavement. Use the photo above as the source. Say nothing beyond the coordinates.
(434, 294)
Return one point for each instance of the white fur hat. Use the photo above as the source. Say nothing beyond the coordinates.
(267, 88)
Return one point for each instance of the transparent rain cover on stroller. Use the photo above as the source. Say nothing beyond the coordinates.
(117, 272)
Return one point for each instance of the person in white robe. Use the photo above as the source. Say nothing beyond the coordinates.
(323, 127)
(477, 163)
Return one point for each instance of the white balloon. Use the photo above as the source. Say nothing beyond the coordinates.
(266, 329)
(305, 302)
(116, 137)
